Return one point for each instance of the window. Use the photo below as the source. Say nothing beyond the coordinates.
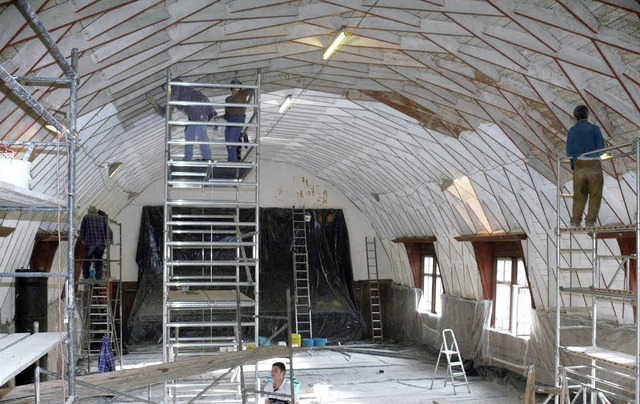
(431, 286)
(512, 302)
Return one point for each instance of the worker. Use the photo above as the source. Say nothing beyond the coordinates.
(279, 385)
(235, 114)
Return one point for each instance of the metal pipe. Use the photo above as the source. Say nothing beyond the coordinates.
(26, 143)
(36, 378)
(46, 38)
(32, 102)
(30, 275)
(637, 229)
(31, 209)
(71, 144)
(291, 376)
(42, 80)
(558, 297)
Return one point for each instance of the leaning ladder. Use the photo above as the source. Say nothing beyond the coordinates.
(455, 367)
(374, 290)
(300, 255)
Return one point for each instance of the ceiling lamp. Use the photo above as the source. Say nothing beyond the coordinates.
(336, 42)
(285, 104)
(114, 167)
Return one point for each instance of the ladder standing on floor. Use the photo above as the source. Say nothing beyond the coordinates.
(374, 290)
(300, 218)
(455, 367)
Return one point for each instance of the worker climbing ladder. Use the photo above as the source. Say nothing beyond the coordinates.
(300, 255)
(455, 367)
(374, 290)
(211, 248)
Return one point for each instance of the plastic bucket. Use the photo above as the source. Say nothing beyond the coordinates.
(308, 342)
(320, 341)
(264, 339)
(296, 340)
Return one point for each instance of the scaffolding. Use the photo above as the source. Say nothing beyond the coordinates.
(68, 142)
(587, 275)
(211, 246)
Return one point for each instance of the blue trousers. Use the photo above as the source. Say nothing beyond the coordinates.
(232, 134)
(193, 132)
(92, 253)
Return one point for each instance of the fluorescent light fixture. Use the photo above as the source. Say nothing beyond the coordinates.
(285, 104)
(114, 167)
(336, 42)
(606, 156)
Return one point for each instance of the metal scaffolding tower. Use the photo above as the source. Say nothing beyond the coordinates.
(300, 255)
(591, 281)
(211, 240)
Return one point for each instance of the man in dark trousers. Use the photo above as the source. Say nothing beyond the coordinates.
(235, 115)
(195, 113)
(94, 231)
(585, 137)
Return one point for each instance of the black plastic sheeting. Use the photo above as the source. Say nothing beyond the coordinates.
(334, 312)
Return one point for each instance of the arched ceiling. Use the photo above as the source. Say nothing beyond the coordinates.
(422, 93)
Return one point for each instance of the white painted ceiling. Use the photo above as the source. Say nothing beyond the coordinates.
(424, 94)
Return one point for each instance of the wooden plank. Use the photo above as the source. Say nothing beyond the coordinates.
(18, 356)
(6, 340)
(131, 379)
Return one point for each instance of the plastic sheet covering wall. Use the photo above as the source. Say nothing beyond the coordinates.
(334, 313)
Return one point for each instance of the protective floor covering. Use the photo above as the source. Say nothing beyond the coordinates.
(367, 374)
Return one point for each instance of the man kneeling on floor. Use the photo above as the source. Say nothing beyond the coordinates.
(279, 386)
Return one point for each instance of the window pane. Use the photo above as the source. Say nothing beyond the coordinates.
(503, 305)
(428, 293)
(523, 315)
(503, 270)
(522, 275)
(439, 291)
(427, 265)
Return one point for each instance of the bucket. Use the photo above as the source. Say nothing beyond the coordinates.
(296, 340)
(308, 342)
(15, 172)
(320, 342)
(263, 341)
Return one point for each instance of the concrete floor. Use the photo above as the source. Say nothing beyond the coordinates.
(366, 374)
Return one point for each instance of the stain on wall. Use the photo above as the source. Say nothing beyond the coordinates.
(317, 194)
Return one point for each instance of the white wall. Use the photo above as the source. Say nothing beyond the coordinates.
(281, 186)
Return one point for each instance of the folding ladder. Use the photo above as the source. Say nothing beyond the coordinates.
(455, 367)
(374, 290)
(211, 248)
(302, 296)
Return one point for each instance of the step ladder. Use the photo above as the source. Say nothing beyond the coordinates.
(300, 255)
(374, 290)
(100, 319)
(455, 367)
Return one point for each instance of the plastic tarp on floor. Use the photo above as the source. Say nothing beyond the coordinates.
(334, 313)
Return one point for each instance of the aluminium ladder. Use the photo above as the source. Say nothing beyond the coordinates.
(211, 250)
(300, 255)
(100, 304)
(455, 367)
(374, 290)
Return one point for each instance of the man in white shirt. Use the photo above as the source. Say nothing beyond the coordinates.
(279, 386)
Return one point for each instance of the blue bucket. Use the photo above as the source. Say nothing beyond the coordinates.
(264, 339)
(308, 342)
(320, 342)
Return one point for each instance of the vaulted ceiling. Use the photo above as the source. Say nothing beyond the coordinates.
(422, 93)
